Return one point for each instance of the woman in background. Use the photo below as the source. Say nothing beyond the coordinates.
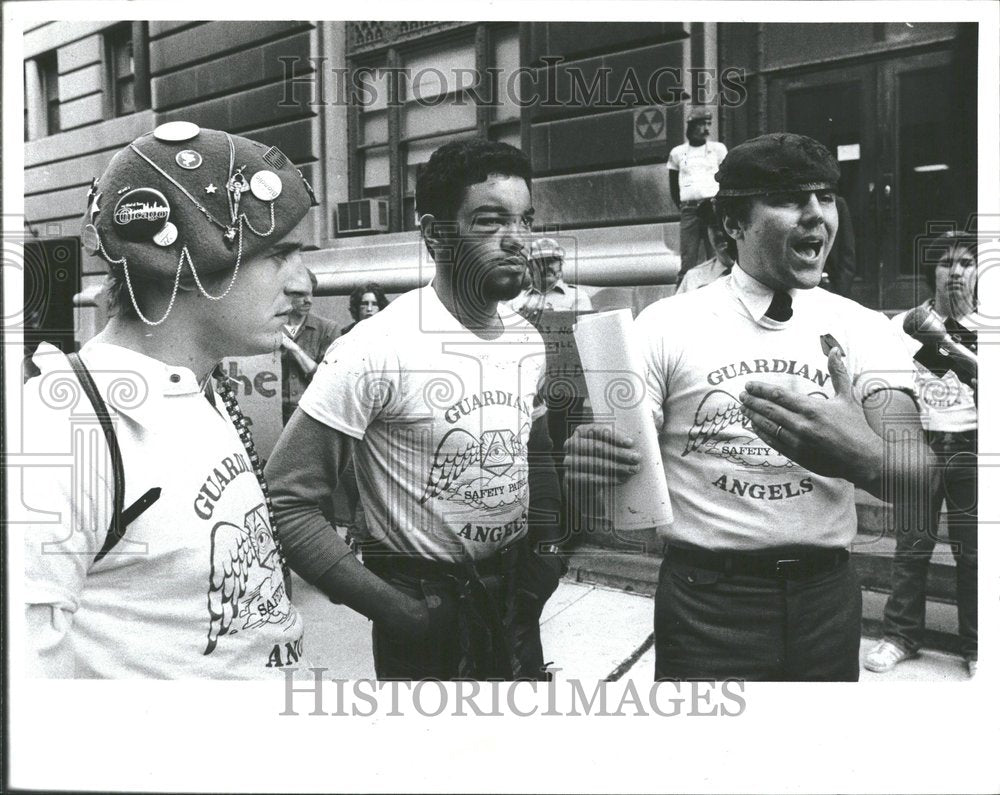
(366, 300)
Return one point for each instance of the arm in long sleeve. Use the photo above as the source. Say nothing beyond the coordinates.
(302, 473)
(544, 524)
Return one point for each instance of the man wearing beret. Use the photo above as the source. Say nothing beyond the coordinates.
(434, 397)
(691, 167)
(158, 555)
(773, 400)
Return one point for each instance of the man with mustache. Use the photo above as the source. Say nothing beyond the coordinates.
(435, 398)
(772, 400)
(306, 338)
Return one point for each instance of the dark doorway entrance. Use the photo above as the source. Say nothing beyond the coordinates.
(900, 128)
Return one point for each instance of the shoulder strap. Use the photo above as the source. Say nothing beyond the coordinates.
(117, 527)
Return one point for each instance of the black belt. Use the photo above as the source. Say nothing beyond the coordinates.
(381, 559)
(965, 439)
(792, 563)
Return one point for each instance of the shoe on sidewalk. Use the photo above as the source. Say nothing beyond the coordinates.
(970, 666)
(886, 656)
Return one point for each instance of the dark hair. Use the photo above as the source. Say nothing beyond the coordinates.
(932, 252)
(736, 207)
(455, 166)
(117, 302)
(369, 287)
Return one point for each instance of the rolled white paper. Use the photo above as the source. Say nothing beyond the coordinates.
(616, 382)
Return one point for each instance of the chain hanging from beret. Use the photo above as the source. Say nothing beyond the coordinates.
(225, 391)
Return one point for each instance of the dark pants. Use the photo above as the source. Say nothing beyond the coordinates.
(483, 626)
(711, 625)
(906, 609)
(694, 236)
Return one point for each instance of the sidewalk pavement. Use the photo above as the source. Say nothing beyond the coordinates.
(589, 632)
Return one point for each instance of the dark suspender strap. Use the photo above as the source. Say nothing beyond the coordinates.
(117, 527)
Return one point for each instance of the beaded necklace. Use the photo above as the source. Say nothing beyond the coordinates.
(225, 391)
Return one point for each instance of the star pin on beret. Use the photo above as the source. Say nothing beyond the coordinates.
(183, 195)
(775, 163)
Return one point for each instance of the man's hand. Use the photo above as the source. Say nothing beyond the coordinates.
(829, 437)
(413, 622)
(597, 459)
(301, 357)
(600, 455)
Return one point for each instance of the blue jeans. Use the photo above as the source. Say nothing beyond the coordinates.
(711, 625)
(906, 609)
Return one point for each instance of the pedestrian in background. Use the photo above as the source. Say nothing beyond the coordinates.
(692, 167)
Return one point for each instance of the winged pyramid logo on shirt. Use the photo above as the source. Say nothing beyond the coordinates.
(721, 429)
(482, 473)
(235, 551)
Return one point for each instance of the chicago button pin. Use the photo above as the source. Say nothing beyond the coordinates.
(141, 213)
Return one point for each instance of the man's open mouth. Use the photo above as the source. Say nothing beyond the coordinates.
(809, 248)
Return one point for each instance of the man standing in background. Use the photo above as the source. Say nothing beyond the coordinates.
(719, 265)
(692, 168)
(548, 291)
(304, 342)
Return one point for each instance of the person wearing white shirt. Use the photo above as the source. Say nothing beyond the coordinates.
(154, 553)
(692, 167)
(950, 416)
(773, 401)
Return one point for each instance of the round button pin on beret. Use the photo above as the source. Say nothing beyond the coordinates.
(166, 236)
(265, 185)
(188, 158)
(140, 214)
(176, 131)
(90, 239)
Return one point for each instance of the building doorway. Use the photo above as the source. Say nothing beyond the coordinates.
(903, 130)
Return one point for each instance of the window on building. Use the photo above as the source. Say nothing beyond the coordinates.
(443, 93)
(49, 70)
(41, 96)
(126, 49)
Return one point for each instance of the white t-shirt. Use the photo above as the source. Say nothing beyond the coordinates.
(194, 589)
(729, 489)
(946, 404)
(443, 419)
(701, 275)
(697, 166)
